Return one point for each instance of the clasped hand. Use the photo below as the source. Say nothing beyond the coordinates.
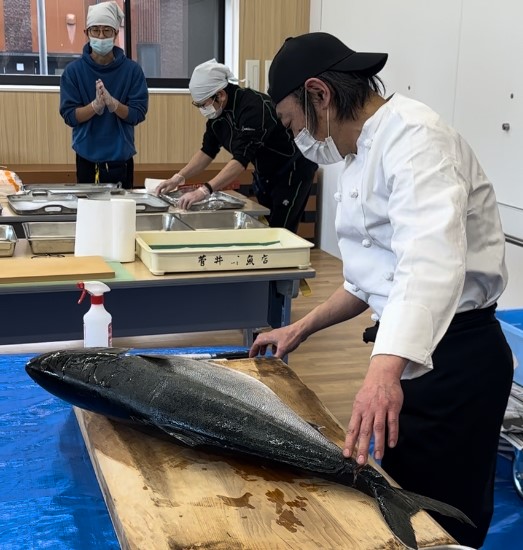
(98, 104)
(104, 99)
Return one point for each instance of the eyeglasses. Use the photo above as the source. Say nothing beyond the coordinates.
(108, 32)
(204, 103)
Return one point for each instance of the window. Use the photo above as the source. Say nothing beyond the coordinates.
(168, 38)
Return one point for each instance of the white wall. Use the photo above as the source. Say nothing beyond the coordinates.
(461, 57)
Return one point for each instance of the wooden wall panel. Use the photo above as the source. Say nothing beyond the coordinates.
(172, 131)
(264, 26)
(32, 130)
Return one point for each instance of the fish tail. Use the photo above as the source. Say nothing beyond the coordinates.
(398, 506)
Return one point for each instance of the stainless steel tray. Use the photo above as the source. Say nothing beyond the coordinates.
(217, 201)
(229, 219)
(43, 203)
(159, 222)
(8, 240)
(50, 237)
(78, 189)
(47, 237)
(145, 202)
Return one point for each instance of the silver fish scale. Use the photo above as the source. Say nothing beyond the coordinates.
(210, 390)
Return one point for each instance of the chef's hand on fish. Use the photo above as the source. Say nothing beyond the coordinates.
(282, 341)
(376, 409)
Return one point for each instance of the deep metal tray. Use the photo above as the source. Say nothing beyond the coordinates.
(159, 222)
(8, 240)
(50, 237)
(216, 201)
(220, 220)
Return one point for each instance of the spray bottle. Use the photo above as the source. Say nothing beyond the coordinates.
(98, 331)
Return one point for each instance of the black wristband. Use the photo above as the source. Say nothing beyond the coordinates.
(209, 188)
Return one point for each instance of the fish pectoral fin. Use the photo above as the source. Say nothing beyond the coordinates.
(317, 427)
(191, 440)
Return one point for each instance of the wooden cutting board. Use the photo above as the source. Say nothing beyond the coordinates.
(162, 495)
(44, 268)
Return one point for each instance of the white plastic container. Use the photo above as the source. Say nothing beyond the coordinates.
(98, 329)
(222, 250)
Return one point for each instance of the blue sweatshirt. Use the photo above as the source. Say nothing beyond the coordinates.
(106, 137)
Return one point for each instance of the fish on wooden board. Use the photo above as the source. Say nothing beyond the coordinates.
(205, 404)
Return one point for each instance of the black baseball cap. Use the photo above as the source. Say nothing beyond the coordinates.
(311, 54)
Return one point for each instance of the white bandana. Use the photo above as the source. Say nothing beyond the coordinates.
(208, 78)
(106, 13)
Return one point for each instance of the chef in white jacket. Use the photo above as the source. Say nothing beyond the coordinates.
(422, 246)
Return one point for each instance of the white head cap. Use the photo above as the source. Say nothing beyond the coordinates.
(208, 78)
(106, 13)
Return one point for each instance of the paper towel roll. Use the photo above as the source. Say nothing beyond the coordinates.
(123, 229)
(93, 228)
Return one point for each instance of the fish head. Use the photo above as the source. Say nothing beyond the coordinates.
(78, 376)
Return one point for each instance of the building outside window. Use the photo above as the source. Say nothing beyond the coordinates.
(168, 38)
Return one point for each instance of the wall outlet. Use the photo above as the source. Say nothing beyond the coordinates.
(252, 74)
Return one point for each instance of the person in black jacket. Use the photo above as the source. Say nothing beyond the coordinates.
(244, 122)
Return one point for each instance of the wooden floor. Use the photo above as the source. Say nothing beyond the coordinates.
(332, 362)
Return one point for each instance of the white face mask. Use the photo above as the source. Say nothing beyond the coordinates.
(210, 112)
(101, 46)
(320, 152)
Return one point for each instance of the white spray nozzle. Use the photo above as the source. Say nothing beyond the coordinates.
(94, 288)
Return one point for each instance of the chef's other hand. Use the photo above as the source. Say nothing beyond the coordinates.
(188, 199)
(98, 104)
(376, 409)
(166, 186)
(282, 341)
(111, 103)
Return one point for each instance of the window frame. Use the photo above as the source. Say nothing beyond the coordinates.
(30, 80)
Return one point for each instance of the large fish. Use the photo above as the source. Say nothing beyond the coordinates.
(204, 404)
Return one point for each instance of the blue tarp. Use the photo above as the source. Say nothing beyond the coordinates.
(50, 497)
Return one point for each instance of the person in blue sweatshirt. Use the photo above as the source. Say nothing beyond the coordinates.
(103, 96)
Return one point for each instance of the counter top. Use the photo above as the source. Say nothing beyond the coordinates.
(136, 274)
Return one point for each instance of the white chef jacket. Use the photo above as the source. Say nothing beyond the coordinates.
(418, 229)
